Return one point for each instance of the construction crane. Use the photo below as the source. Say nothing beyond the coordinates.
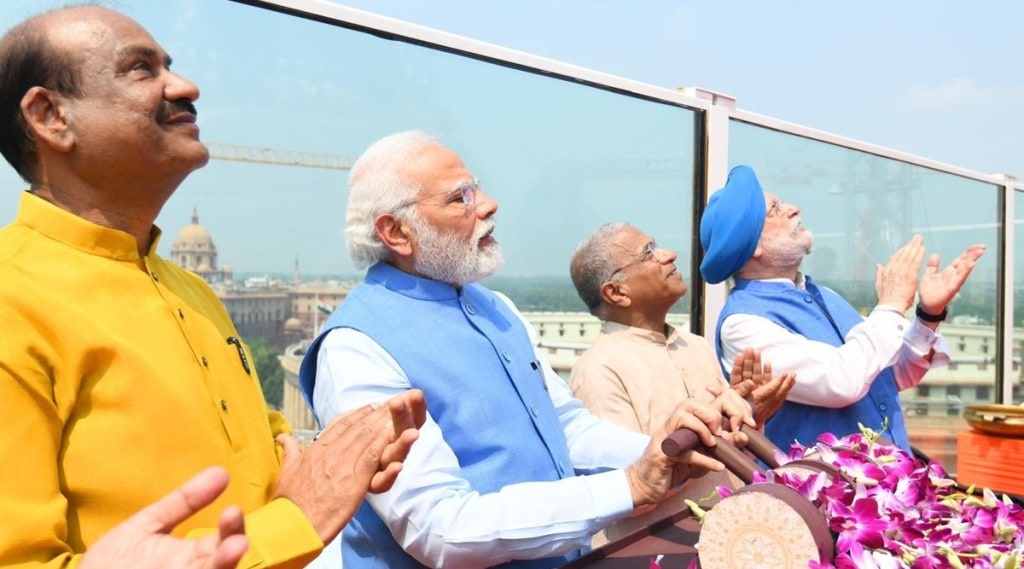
(264, 155)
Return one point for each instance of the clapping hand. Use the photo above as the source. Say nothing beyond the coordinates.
(896, 281)
(755, 383)
(359, 452)
(937, 287)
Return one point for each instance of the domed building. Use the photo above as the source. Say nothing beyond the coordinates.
(194, 250)
(293, 325)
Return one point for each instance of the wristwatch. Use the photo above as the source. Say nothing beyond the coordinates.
(931, 317)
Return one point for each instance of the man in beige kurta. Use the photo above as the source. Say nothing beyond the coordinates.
(641, 367)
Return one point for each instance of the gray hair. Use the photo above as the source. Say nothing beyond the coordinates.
(592, 264)
(378, 184)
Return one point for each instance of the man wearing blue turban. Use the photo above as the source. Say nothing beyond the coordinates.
(849, 369)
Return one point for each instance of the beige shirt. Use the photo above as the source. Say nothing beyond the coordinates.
(636, 378)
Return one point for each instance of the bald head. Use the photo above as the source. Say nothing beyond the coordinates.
(52, 51)
(29, 58)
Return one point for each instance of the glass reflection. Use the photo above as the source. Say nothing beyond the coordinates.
(288, 103)
(861, 208)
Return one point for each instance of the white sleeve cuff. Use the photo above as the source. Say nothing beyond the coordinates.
(610, 495)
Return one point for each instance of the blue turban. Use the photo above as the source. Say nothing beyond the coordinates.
(731, 225)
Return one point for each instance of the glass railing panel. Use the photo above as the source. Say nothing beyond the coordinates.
(288, 103)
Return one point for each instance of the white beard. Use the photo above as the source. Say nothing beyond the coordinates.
(447, 258)
(786, 252)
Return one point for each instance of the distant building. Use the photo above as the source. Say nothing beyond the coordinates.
(312, 303)
(258, 313)
(566, 335)
(273, 310)
(194, 250)
(294, 405)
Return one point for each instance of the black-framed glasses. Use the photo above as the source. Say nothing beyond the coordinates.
(649, 253)
(465, 192)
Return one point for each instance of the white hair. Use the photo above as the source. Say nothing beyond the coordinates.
(378, 184)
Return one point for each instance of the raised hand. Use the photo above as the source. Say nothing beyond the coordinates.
(733, 406)
(754, 381)
(937, 288)
(768, 397)
(896, 281)
(747, 372)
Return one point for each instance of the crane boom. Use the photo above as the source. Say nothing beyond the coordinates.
(265, 155)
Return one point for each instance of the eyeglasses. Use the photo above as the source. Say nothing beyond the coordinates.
(774, 208)
(649, 253)
(465, 192)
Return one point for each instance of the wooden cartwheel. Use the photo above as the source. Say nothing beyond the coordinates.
(766, 525)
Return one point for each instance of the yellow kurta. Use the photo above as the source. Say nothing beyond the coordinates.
(118, 383)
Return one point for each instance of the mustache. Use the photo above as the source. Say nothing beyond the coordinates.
(170, 108)
(486, 228)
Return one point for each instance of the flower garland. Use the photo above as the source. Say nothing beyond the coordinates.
(900, 512)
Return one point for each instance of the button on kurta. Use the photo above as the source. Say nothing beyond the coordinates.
(883, 407)
(507, 356)
(223, 405)
(205, 363)
(470, 309)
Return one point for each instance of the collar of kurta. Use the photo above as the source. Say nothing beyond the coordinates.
(800, 284)
(409, 285)
(60, 225)
(622, 330)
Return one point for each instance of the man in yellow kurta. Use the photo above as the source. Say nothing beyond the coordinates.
(640, 367)
(121, 374)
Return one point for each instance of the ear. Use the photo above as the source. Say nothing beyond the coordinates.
(394, 234)
(616, 294)
(46, 114)
(758, 251)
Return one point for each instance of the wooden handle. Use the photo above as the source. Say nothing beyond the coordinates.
(679, 442)
(724, 451)
(760, 446)
(735, 460)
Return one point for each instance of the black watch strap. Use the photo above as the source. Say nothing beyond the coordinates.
(931, 317)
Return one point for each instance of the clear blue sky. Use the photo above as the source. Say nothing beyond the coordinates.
(937, 78)
(941, 79)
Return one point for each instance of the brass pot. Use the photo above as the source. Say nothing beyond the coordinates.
(1002, 420)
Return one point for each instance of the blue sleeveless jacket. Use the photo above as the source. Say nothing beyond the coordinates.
(474, 361)
(822, 315)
